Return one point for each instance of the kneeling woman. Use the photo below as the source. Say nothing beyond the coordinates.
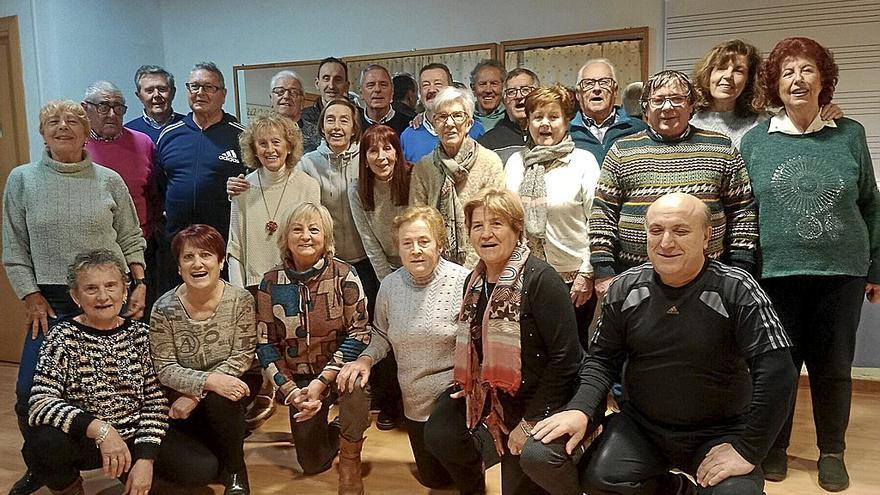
(312, 319)
(415, 318)
(95, 385)
(516, 356)
(203, 339)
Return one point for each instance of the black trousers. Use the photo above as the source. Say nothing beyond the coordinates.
(460, 452)
(199, 449)
(631, 457)
(821, 315)
(431, 472)
(56, 458)
(584, 315)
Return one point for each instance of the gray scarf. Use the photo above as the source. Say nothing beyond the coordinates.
(455, 171)
(533, 189)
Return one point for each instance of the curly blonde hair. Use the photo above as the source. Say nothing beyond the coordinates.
(286, 127)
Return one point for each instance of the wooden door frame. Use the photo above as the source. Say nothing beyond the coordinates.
(9, 29)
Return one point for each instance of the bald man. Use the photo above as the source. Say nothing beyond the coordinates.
(709, 378)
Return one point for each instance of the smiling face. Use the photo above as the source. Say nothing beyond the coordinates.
(518, 87)
(377, 91)
(800, 84)
(662, 113)
(727, 81)
(452, 124)
(492, 236)
(100, 292)
(271, 148)
(203, 102)
(107, 125)
(597, 96)
(548, 125)
(286, 97)
(419, 250)
(156, 95)
(305, 241)
(487, 88)
(199, 267)
(338, 127)
(431, 82)
(677, 238)
(381, 158)
(65, 135)
(331, 82)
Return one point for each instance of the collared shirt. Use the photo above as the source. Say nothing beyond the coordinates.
(150, 126)
(781, 122)
(155, 124)
(388, 116)
(600, 129)
(94, 135)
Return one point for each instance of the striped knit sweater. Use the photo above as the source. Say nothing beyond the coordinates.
(86, 374)
(640, 168)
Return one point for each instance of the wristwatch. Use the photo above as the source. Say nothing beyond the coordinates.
(322, 379)
(138, 281)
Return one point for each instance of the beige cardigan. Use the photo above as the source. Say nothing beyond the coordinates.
(428, 179)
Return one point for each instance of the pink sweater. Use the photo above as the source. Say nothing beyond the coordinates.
(131, 156)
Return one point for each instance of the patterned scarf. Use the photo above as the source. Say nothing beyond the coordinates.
(455, 171)
(533, 189)
(499, 327)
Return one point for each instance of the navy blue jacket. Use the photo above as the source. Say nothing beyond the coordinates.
(192, 166)
(141, 124)
(585, 140)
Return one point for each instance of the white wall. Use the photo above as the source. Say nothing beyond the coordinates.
(278, 30)
(67, 45)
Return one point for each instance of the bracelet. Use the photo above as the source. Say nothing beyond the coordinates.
(287, 397)
(102, 434)
(321, 378)
(522, 425)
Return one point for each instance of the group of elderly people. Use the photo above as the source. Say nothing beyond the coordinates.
(468, 281)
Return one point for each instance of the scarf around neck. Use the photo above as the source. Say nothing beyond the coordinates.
(533, 190)
(455, 172)
(501, 368)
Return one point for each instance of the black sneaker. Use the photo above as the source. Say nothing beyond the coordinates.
(775, 465)
(387, 421)
(26, 485)
(832, 472)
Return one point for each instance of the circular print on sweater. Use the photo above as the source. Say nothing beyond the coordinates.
(809, 189)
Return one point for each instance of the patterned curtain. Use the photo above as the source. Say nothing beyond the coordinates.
(561, 63)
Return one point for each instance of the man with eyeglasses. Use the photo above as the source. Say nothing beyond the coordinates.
(155, 88)
(194, 158)
(509, 136)
(286, 99)
(130, 154)
(600, 122)
(377, 91)
(670, 156)
(331, 83)
(421, 137)
(486, 83)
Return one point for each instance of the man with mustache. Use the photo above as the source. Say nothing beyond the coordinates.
(331, 83)
(486, 83)
(509, 135)
(377, 91)
(600, 122)
(155, 89)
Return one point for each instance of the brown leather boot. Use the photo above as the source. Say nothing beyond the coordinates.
(75, 488)
(350, 482)
(262, 408)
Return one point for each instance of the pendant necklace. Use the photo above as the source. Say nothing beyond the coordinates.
(271, 225)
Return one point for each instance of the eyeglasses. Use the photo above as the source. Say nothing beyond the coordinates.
(104, 108)
(208, 88)
(457, 117)
(677, 101)
(518, 92)
(279, 92)
(604, 83)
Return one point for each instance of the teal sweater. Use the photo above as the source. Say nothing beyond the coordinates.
(818, 204)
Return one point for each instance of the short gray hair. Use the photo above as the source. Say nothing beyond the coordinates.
(372, 67)
(450, 95)
(146, 70)
(663, 79)
(286, 73)
(98, 88)
(212, 68)
(598, 60)
(93, 259)
(488, 62)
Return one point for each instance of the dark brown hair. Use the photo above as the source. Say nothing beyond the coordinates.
(378, 135)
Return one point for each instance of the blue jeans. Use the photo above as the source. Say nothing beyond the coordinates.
(58, 297)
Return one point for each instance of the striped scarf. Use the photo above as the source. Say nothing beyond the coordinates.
(500, 330)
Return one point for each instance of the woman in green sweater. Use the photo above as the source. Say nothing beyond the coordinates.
(819, 221)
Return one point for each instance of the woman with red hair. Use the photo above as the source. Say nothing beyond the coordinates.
(819, 223)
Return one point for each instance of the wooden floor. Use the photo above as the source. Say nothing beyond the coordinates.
(388, 460)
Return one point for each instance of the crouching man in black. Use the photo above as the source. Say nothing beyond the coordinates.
(708, 375)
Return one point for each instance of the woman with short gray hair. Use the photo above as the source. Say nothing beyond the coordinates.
(457, 170)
